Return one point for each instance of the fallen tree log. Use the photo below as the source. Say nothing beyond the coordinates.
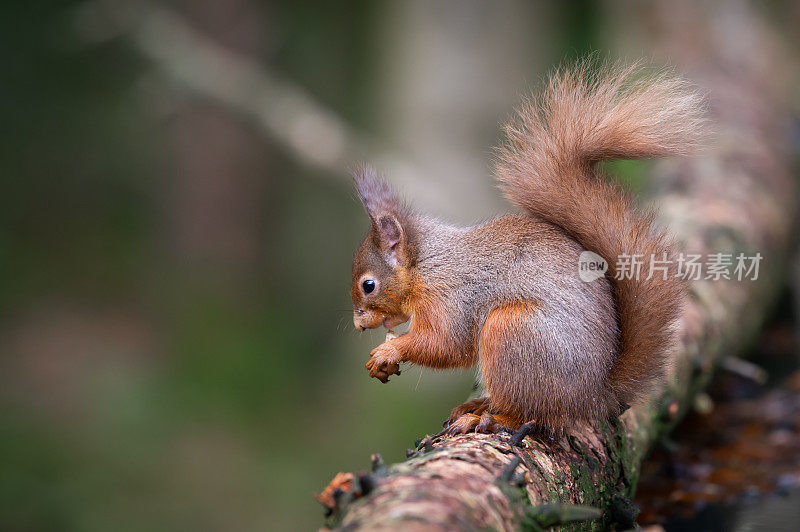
(737, 198)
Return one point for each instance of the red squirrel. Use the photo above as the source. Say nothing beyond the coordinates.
(552, 349)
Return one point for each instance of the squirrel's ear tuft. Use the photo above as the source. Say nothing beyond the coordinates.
(375, 193)
(389, 216)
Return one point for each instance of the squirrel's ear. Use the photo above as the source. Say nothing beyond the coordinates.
(375, 193)
(390, 235)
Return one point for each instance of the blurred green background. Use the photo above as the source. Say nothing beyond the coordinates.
(176, 343)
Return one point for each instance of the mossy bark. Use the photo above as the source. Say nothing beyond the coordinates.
(737, 198)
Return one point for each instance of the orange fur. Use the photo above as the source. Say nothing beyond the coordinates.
(502, 321)
(427, 343)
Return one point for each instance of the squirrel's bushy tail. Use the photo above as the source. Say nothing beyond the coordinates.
(548, 167)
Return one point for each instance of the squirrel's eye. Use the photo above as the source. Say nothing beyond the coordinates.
(368, 286)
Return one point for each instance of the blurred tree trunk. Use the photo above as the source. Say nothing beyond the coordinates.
(220, 169)
(739, 197)
(451, 72)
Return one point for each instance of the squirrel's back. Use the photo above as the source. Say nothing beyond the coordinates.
(548, 167)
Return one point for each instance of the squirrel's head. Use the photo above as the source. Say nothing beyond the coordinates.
(383, 264)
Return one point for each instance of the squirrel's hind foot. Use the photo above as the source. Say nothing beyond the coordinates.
(473, 406)
(486, 423)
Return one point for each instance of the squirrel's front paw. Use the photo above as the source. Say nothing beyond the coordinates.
(384, 361)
